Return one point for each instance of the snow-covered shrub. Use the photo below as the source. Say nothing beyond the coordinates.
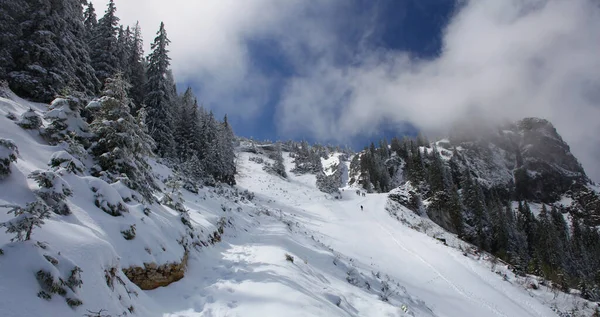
(289, 258)
(59, 276)
(190, 186)
(8, 154)
(30, 120)
(328, 184)
(65, 121)
(53, 190)
(256, 159)
(129, 234)
(63, 159)
(386, 291)
(11, 116)
(109, 203)
(173, 197)
(353, 277)
(26, 219)
(106, 197)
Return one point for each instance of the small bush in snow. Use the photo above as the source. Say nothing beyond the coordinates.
(65, 121)
(74, 302)
(386, 291)
(1, 252)
(353, 277)
(108, 199)
(26, 218)
(190, 186)
(63, 159)
(49, 283)
(99, 313)
(50, 259)
(30, 120)
(53, 190)
(8, 154)
(172, 197)
(44, 295)
(11, 116)
(289, 258)
(129, 234)
(256, 159)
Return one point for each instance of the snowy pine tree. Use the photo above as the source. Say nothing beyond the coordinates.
(120, 142)
(90, 21)
(11, 13)
(53, 190)
(49, 53)
(136, 70)
(226, 153)
(26, 219)
(8, 154)
(104, 46)
(278, 166)
(159, 95)
(186, 128)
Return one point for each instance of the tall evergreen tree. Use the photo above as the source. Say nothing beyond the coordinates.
(121, 143)
(227, 153)
(158, 95)
(186, 131)
(90, 21)
(48, 52)
(11, 14)
(137, 68)
(104, 46)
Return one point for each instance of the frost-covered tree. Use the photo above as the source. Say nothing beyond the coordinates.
(26, 219)
(158, 98)
(187, 129)
(11, 13)
(49, 53)
(208, 143)
(53, 190)
(136, 71)
(8, 154)
(90, 21)
(124, 41)
(104, 47)
(226, 153)
(172, 196)
(278, 165)
(327, 183)
(120, 142)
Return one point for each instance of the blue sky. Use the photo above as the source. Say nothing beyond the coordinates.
(413, 26)
(350, 71)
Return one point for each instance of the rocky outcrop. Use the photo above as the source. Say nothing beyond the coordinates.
(153, 276)
(527, 159)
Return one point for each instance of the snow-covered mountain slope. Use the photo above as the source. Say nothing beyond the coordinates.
(288, 249)
(431, 279)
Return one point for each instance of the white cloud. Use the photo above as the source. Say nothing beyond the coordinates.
(503, 59)
(209, 41)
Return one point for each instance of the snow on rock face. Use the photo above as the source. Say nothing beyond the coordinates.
(529, 153)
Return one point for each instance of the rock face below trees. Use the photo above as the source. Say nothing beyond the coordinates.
(153, 276)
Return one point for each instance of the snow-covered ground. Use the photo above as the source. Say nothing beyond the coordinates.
(291, 251)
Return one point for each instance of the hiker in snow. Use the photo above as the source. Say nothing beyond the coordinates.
(361, 207)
